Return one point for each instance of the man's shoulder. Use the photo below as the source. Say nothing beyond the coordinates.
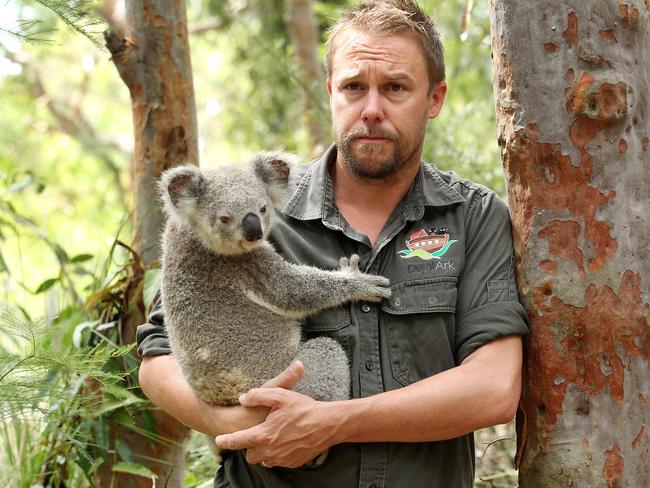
(469, 190)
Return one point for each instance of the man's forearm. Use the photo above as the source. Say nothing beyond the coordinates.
(444, 406)
(162, 381)
(483, 391)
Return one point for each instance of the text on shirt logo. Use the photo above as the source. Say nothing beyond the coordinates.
(431, 266)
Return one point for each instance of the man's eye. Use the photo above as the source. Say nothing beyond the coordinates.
(394, 87)
(353, 86)
(225, 219)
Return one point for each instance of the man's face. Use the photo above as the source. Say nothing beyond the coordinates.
(381, 102)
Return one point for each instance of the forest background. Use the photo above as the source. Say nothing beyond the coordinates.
(66, 142)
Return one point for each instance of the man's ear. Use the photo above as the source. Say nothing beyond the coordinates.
(180, 184)
(274, 170)
(437, 98)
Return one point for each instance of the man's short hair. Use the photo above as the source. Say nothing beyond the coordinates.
(390, 17)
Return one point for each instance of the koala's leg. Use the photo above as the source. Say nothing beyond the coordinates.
(327, 374)
(327, 377)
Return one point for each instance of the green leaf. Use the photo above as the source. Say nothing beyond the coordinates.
(135, 469)
(46, 285)
(21, 185)
(79, 271)
(123, 450)
(80, 258)
(77, 335)
(61, 253)
(152, 279)
(3, 265)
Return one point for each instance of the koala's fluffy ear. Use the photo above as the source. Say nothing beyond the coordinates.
(180, 186)
(274, 169)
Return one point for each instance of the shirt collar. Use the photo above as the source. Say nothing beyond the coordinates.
(314, 194)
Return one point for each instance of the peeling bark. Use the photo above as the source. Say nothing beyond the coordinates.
(153, 60)
(572, 93)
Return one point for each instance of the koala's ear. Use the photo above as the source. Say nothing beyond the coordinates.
(274, 170)
(180, 184)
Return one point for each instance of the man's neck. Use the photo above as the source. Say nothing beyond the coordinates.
(368, 204)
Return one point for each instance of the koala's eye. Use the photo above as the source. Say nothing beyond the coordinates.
(225, 219)
(263, 210)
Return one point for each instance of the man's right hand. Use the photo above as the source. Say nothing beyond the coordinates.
(246, 417)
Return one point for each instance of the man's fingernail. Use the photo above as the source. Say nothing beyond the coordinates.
(218, 439)
(242, 398)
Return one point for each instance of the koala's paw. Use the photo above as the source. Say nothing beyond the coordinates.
(371, 288)
(350, 265)
(375, 288)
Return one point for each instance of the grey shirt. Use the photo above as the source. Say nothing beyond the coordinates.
(447, 250)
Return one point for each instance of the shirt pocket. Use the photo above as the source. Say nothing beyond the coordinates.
(420, 322)
(331, 322)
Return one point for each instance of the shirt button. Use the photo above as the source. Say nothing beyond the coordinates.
(369, 365)
(365, 308)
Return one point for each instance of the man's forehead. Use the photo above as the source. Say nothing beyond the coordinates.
(391, 73)
(356, 40)
(355, 50)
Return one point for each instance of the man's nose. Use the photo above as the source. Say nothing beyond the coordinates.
(373, 113)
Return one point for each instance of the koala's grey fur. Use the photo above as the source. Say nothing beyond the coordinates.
(232, 303)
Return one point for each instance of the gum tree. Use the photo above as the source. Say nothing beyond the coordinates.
(153, 59)
(572, 94)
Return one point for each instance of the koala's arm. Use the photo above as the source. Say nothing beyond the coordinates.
(297, 291)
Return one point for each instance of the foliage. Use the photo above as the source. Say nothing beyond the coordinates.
(51, 410)
(79, 16)
(201, 463)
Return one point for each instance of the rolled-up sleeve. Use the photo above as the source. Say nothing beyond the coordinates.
(488, 305)
(152, 337)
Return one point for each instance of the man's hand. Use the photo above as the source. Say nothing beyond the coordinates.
(164, 384)
(295, 431)
(288, 378)
(245, 416)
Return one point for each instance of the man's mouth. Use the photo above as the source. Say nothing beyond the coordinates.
(371, 140)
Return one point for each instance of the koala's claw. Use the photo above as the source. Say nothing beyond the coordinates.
(377, 293)
(371, 288)
(351, 264)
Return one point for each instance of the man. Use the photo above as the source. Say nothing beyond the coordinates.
(438, 360)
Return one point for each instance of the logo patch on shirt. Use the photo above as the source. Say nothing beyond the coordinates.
(428, 244)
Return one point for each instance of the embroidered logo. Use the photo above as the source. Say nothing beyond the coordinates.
(428, 244)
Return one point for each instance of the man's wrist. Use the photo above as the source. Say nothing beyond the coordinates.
(345, 418)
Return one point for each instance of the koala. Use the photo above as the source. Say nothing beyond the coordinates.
(232, 304)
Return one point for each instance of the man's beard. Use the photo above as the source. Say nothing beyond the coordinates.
(371, 170)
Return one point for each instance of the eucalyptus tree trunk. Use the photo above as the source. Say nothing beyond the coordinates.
(572, 91)
(299, 19)
(153, 59)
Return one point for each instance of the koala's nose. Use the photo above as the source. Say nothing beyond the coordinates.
(252, 227)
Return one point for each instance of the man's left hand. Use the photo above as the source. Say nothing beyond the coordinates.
(294, 432)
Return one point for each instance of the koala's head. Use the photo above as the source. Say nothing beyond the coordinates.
(229, 208)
